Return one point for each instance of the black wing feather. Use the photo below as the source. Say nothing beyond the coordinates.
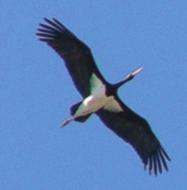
(135, 130)
(127, 124)
(77, 56)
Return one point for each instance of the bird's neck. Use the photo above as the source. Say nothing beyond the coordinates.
(129, 77)
(122, 82)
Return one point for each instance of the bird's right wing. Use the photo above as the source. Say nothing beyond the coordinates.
(77, 56)
(135, 130)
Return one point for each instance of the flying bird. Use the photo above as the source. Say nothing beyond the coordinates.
(100, 96)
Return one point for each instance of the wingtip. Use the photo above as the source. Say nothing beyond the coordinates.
(46, 19)
(157, 164)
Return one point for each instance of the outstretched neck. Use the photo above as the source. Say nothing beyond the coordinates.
(129, 77)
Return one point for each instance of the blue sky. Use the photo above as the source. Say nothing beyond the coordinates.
(36, 93)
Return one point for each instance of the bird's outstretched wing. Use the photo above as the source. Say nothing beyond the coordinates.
(77, 56)
(135, 130)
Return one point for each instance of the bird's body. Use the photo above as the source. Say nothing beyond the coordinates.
(97, 99)
(100, 97)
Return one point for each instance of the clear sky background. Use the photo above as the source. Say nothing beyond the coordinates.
(36, 93)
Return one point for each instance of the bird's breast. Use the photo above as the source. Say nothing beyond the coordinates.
(109, 103)
(95, 102)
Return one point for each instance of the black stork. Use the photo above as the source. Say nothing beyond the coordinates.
(100, 97)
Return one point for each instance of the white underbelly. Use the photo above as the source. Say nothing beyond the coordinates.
(93, 103)
(90, 104)
(97, 99)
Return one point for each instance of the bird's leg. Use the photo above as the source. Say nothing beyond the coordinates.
(67, 121)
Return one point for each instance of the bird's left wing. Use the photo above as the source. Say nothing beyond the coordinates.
(76, 55)
(135, 130)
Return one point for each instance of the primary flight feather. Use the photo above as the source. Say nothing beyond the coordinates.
(100, 97)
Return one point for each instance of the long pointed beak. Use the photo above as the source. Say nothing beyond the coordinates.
(134, 73)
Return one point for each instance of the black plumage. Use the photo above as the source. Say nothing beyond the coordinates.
(126, 123)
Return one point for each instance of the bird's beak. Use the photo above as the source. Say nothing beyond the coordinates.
(134, 73)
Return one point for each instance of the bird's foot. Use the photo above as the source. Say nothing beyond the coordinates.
(67, 121)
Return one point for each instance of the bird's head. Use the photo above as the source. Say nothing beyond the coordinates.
(129, 77)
